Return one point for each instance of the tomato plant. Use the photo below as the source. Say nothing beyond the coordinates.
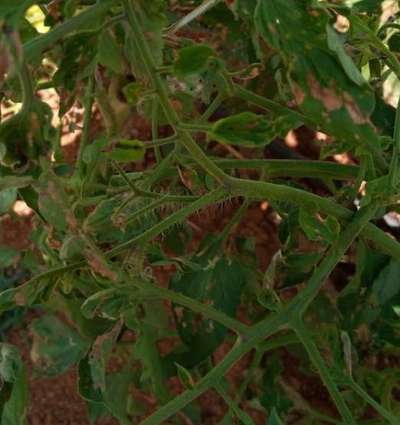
(214, 85)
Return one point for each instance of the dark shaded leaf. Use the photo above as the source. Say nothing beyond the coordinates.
(56, 346)
(218, 282)
(387, 284)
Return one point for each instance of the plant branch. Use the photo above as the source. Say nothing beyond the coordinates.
(158, 84)
(317, 360)
(153, 291)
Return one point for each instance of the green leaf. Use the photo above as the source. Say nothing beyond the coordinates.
(185, 376)
(93, 397)
(132, 92)
(274, 418)
(246, 129)
(273, 396)
(317, 228)
(109, 52)
(387, 284)
(56, 346)
(8, 256)
(7, 199)
(192, 60)
(152, 327)
(128, 150)
(335, 43)
(14, 388)
(72, 248)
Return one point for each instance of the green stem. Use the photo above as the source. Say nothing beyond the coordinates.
(27, 87)
(210, 198)
(258, 333)
(23, 74)
(154, 129)
(317, 360)
(282, 193)
(195, 127)
(159, 172)
(233, 407)
(302, 405)
(331, 259)
(394, 165)
(234, 221)
(291, 168)
(88, 104)
(214, 105)
(390, 417)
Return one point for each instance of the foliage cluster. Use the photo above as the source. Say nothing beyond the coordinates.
(241, 74)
